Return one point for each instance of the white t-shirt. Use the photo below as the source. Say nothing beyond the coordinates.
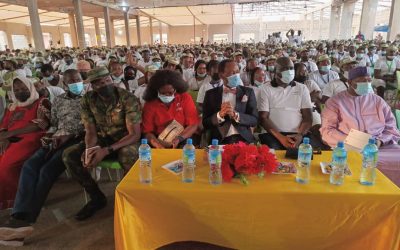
(334, 87)
(187, 74)
(387, 67)
(54, 92)
(311, 66)
(371, 60)
(284, 105)
(134, 84)
(312, 86)
(145, 64)
(194, 84)
(322, 80)
(140, 92)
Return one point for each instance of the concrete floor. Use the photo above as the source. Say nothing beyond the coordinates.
(56, 227)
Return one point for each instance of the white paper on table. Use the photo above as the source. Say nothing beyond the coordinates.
(174, 167)
(356, 140)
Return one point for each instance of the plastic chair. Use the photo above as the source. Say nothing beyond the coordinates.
(106, 164)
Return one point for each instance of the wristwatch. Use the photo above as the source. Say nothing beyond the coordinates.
(110, 150)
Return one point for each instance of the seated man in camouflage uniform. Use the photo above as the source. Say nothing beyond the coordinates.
(111, 117)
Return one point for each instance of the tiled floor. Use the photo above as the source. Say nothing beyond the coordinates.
(57, 229)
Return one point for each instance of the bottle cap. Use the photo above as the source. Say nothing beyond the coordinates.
(306, 140)
(144, 141)
(371, 141)
(214, 142)
(340, 144)
(189, 141)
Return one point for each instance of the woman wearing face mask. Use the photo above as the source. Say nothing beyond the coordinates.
(257, 80)
(167, 100)
(385, 71)
(131, 76)
(24, 123)
(200, 76)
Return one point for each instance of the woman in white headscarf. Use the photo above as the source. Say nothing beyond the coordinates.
(23, 125)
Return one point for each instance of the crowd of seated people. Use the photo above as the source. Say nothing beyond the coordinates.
(71, 109)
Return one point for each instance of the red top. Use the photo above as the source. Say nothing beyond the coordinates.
(157, 115)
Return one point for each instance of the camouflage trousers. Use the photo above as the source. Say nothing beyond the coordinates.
(126, 156)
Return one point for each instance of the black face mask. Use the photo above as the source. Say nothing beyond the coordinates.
(215, 76)
(22, 96)
(106, 91)
(20, 66)
(129, 78)
(301, 79)
(83, 75)
(68, 62)
(7, 68)
(103, 58)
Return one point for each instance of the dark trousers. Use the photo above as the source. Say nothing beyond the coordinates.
(269, 140)
(72, 160)
(272, 142)
(233, 139)
(38, 175)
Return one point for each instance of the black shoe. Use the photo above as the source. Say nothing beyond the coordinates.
(15, 229)
(90, 209)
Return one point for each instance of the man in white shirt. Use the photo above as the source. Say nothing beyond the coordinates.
(361, 57)
(336, 86)
(285, 108)
(102, 62)
(340, 54)
(305, 59)
(324, 73)
(215, 82)
(69, 64)
(188, 71)
(371, 58)
(146, 59)
(385, 71)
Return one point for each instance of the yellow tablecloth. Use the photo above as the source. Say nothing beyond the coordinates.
(270, 213)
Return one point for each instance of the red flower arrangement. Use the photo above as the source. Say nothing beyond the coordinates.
(240, 159)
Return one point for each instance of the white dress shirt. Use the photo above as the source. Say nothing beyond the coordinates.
(231, 98)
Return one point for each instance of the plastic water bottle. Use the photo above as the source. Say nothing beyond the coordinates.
(215, 159)
(339, 160)
(304, 161)
(189, 161)
(369, 163)
(145, 175)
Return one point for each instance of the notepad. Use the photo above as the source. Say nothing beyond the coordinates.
(356, 140)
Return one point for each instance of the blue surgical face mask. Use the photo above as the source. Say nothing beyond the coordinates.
(76, 88)
(363, 88)
(360, 55)
(234, 81)
(157, 64)
(325, 68)
(49, 78)
(166, 98)
(118, 78)
(201, 75)
(258, 83)
(287, 76)
(271, 68)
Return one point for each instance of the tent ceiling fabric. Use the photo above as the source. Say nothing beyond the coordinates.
(208, 14)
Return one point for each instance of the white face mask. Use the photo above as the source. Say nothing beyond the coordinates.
(287, 76)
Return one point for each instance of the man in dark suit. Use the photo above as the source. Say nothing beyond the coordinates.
(230, 111)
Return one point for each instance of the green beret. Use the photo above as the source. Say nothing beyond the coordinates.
(97, 73)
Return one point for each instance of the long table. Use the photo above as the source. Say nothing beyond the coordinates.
(270, 213)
